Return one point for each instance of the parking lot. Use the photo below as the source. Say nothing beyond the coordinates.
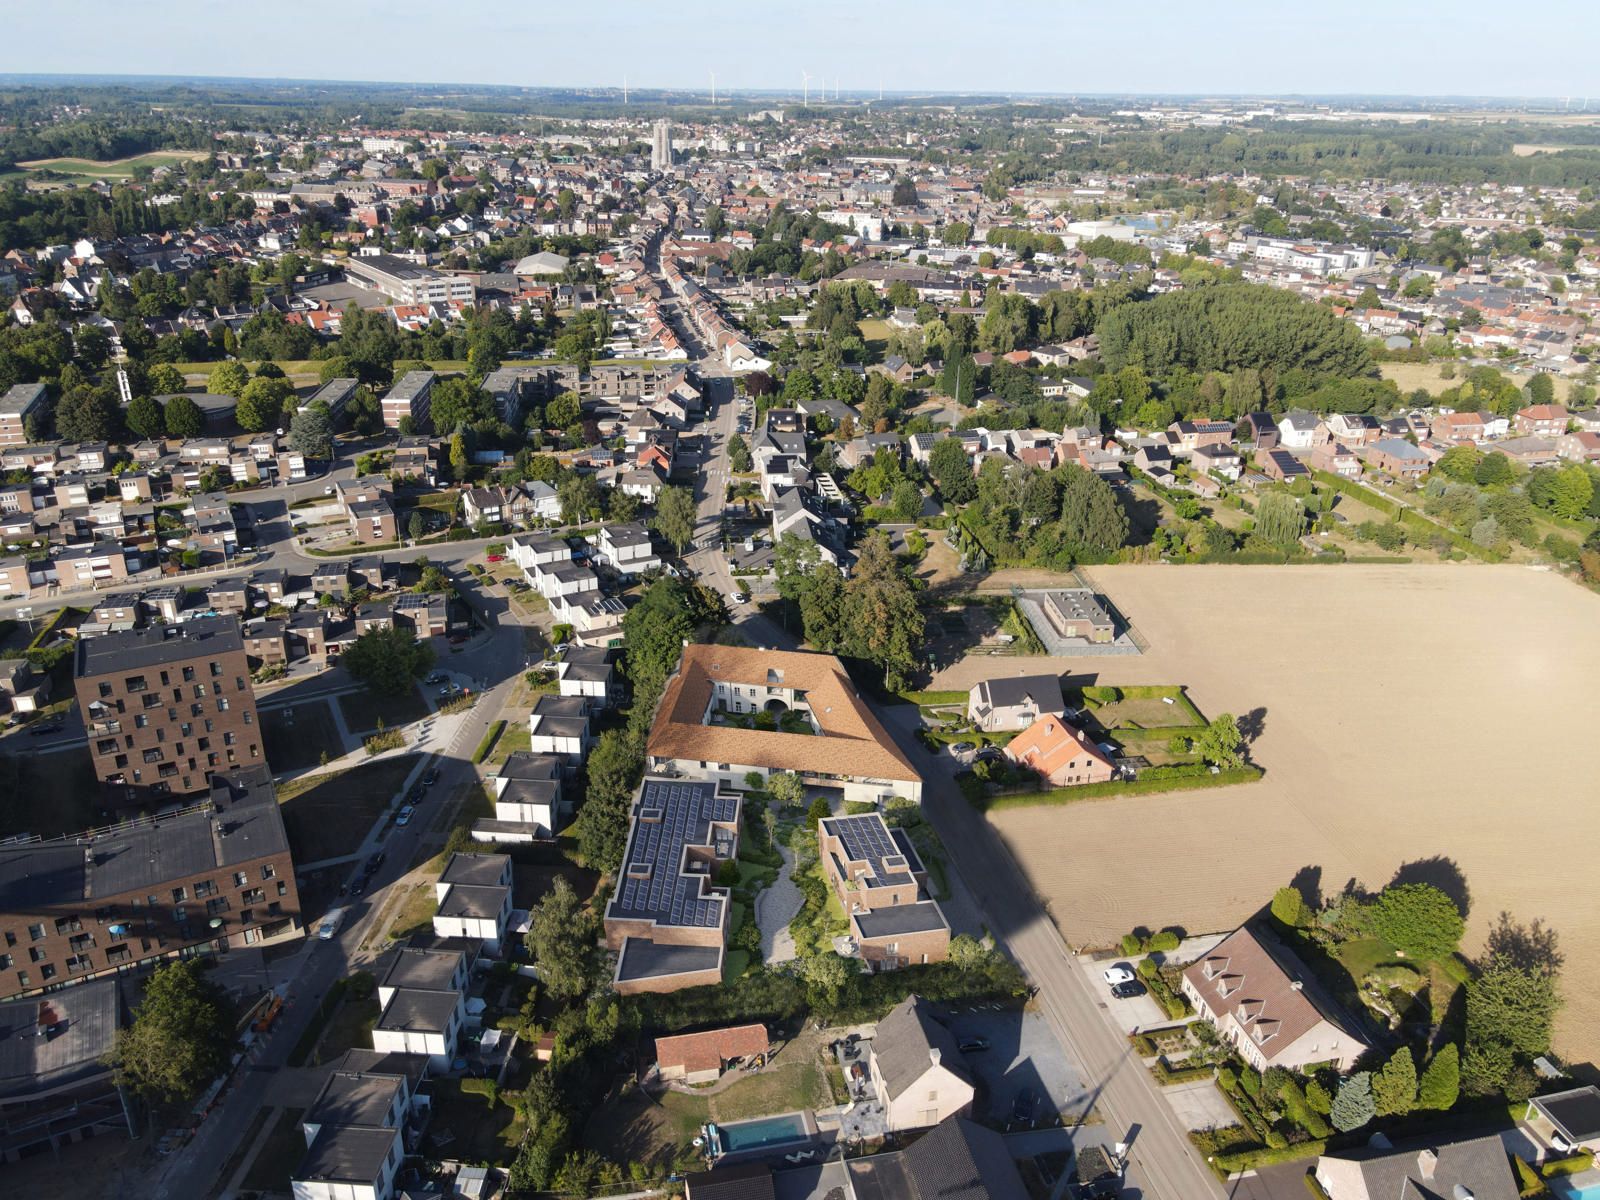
(1022, 1056)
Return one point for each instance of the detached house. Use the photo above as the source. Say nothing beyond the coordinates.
(1267, 1006)
(1061, 753)
(1014, 703)
(1541, 420)
(916, 1068)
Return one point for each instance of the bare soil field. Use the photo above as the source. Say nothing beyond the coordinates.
(1408, 714)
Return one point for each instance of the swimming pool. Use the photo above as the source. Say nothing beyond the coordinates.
(762, 1133)
(1566, 1190)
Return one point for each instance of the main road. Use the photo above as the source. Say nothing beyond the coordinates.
(1162, 1163)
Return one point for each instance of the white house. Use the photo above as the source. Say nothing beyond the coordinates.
(627, 549)
(474, 896)
(530, 550)
(559, 725)
(349, 1162)
(415, 1021)
(543, 501)
(915, 1067)
(1298, 430)
(528, 801)
(588, 671)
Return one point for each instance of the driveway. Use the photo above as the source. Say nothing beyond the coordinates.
(1022, 1054)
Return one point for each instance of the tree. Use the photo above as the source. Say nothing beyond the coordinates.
(1494, 470)
(1441, 1081)
(1417, 918)
(1289, 907)
(414, 527)
(739, 454)
(163, 379)
(228, 379)
(785, 787)
(822, 607)
(1353, 1107)
(824, 976)
(1394, 1088)
(1220, 743)
(458, 456)
(387, 661)
(882, 622)
(181, 1036)
(184, 418)
(907, 500)
(1541, 389)
(904, 194)
(261, 405)
(311, 432)
(1512, 1005)
(1280, 519)
(88, 414)
(561, 939)
(457, 402)
(611, 773)
(675, 516)
(564, 411)
(967, 953)
(580, 498)
(952, 471)
(145, 417)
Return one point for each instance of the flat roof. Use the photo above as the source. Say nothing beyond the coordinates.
(482, 869)
(920, 917)
(19, 398)
(474, 901)
(351, 1098)
(643, 959)
(139, 649)
(670, 815)
(865, 838)
(1576, 1111)
(416, 968)
(84, 1020)
(413, 1010)
(347, 1154)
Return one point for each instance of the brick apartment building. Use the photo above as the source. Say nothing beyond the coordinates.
(166, 706)
(216, 875)
(881, 885)
(411, 397)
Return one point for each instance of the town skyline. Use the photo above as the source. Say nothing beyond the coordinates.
(1177, 51)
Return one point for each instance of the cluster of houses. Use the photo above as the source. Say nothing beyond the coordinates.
(373, 1108)
(568, 573)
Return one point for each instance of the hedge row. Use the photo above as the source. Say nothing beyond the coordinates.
(1570, 1165)
(948, 697)
(1406, 516)
(1263, 1156)
(1168, 1076)
(489, 739)
(1148, 784)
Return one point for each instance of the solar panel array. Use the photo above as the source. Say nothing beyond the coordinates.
(668, 897)
(867, 838)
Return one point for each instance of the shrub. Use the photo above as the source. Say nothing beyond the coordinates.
(1528, 1182)
(1147, 967)
(1249, 1160)
(1101, 695)
(1164, 942)
(1571, 1165)
(1131, 943)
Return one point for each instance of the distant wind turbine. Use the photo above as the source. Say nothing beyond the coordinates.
(713, 89)
(805, 82)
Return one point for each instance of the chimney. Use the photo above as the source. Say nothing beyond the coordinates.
(1297, 986)
(933, 1055)
(1427, 1160)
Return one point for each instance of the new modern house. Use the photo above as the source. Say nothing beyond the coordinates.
(1014, 702)
(668, 919)
(882, 887)
(707, 725)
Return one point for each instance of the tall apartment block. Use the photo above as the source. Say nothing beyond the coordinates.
(164, 707)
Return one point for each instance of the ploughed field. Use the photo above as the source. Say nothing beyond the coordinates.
(1410, 713)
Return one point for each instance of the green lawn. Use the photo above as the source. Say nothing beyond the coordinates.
(330, 815)
(350, 1027)
(363, 710)
(121, 168)
(416, 912)
(515, 736)
(468, 1128)
(280, 1154)
(298, 735)
(48, 794)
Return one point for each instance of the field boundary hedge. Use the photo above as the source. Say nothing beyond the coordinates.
(1405, 515)
(1146, 786)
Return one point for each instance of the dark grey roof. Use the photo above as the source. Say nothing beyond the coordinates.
(561, 707)
(85, 1018)
(474, 902)
(866, 838)
(136, 649)
(642, 959)
(747, 1181)
(416, 1011)
(668, 816)
(1007, 691)
(348, 1098)
(1421, 1172)
(920, 917)
(961, 1160)
(905, 1041)
(243, 824)
(347, 1154)
(428, 969)
(1576, 1111)
(413, 1067)
(482, 869)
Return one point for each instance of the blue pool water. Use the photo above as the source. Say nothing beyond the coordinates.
(764, 1131)
(1571, 1191)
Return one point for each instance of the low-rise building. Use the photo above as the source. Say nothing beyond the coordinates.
(703, 1057)
(529, 804)
(1473, 1169)
(1060, 753)
(883, 888)
(667, 918)
(915, 1067)
(474, 898)
(411, 396)
(1397, 457)
(1013, 702)
(1078, 613)
(1268, 1006)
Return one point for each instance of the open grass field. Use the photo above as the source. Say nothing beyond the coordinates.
(121, 168)
(329, 815)
(298, 735)
(363, 710)
(1408, 714)
(1411, 376)
(48, 794)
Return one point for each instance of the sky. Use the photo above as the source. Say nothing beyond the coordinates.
(1227, 47)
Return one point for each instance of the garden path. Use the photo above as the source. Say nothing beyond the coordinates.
(775, 908)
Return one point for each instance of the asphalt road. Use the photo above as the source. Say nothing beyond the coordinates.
(496, 658)
(1162, 1164)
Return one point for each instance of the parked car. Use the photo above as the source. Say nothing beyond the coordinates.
(494, 558)
(973, 1045)
(431, 777)
(1127, 991)
(960, 749)
(1121, 973)
(436, 677)
(1022, 1108)
(404, 818)
(43, 730)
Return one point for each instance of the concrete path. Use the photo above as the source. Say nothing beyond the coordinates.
(775, 908)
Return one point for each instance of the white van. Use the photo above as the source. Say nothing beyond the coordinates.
(330, 924)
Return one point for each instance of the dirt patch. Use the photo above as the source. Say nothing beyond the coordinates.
(1408, 377)
(1391, 700)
